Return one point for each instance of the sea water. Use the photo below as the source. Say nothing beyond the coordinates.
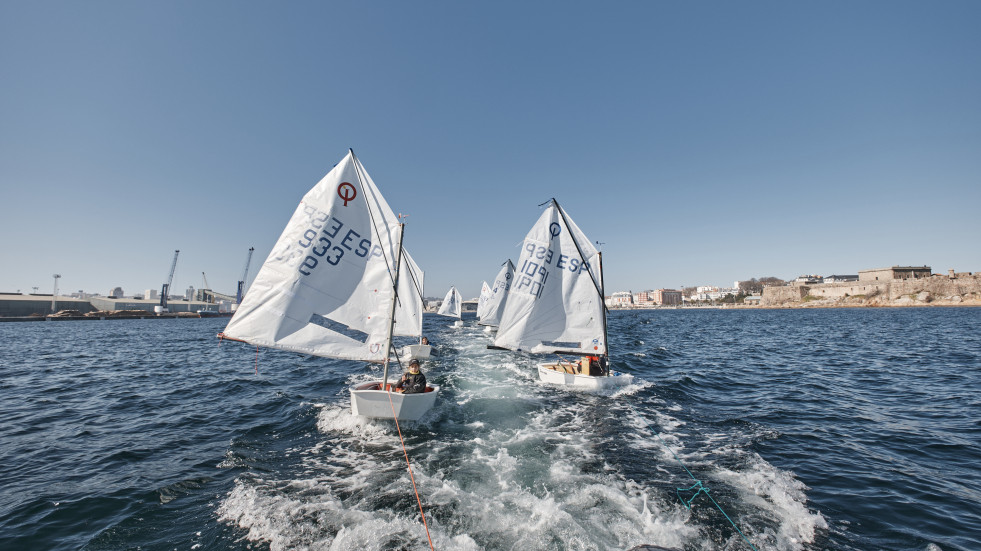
(811, 429)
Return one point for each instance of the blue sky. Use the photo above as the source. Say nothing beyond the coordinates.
(702, 143)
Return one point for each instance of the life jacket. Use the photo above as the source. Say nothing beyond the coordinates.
(591, 366)
(413, 383)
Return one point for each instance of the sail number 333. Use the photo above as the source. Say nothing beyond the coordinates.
(327, 240)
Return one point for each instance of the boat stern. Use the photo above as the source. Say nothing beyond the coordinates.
(562, 373)
(368, 400)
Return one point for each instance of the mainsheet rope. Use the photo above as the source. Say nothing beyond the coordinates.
(411, 477)
(698, 488)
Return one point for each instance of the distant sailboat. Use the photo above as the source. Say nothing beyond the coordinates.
(452, 306)
(331, 287)
(422, 349)
(494, 305)
(485, 293)
(556, 305)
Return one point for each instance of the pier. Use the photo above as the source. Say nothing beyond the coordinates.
(37, 307)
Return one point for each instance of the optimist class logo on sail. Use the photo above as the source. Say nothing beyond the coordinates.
(347, 192)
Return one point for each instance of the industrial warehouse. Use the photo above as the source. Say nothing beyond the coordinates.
(200, 303)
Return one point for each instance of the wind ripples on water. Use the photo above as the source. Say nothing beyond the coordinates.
(813, 429)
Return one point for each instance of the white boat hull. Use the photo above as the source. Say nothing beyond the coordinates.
(458, 323)
(417, 351)
(368, 401)
(557, 374)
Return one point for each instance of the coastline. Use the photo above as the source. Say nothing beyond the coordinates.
(975, 303)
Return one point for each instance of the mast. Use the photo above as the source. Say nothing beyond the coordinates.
(391, 316)
(581, 256)
(599, 288)
(606, 334)
(398, 261)
(422, 295)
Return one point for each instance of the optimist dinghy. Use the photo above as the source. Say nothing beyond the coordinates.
(452, 306)
(331, 287)
(556, 304)
(489, 313)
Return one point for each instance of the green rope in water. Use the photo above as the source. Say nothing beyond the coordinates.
(698, 488)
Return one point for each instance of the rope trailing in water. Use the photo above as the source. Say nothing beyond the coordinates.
(698, 488)
(698, 484)
(411, 477)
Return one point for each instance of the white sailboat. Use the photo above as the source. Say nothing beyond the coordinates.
(331, 287)
(452, 306)
(556, 305)
(493, 308)
(485, 293)
(421, 350)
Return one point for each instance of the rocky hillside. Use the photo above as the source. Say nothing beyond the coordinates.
(937, 290)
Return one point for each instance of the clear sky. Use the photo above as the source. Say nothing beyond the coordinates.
(701, 142)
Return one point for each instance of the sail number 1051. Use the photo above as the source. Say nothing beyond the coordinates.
(534, 270)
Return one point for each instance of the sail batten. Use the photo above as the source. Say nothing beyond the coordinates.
(554, 304)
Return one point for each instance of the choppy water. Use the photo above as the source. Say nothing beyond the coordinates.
(813, 429)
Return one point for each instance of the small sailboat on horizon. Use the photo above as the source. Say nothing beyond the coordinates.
(331, 287)
(556, 304)
(422, 349)
(452, 306)
(489, 313)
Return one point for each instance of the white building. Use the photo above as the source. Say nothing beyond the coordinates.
(621, 299)
(714, 293)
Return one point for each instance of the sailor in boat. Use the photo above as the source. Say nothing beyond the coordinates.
(592, 366)
(424, 340)
(412, 382)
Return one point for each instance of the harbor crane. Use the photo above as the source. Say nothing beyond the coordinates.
(166, 286)
(54, 296)
(206, 291)
(245, 273)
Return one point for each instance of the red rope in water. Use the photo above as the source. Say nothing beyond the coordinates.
(412, 478)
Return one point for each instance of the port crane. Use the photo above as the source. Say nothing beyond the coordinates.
(207, 288)
(245, 274)
(166, 286)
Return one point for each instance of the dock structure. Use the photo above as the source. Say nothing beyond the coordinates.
(37, 307)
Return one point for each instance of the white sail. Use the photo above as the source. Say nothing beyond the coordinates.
(485, 293)
(452, 304)
(327, 286)
(555, 303)
(494, 306)
(408, 314)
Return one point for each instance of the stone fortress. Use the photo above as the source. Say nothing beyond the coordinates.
(894, 286)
